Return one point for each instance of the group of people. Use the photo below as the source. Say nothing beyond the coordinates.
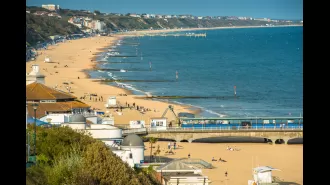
(220, 160)
(92, 97)
(169, 145)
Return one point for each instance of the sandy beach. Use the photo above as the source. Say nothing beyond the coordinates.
(287, 158)
(69, 61)
(79, 55)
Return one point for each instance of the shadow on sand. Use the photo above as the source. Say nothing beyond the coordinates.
(288, 183)
(281, 182)
(158, 159)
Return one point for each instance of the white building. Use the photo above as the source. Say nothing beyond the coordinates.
(158, 123)
(51, 7)
(137, 124)
(262, 175)
(131, 150)
(98, 25)
(35, 75)
(110, 135)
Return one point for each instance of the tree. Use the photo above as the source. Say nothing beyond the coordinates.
(152, 141)
(69, 157)
(97, 12)
(157, 152)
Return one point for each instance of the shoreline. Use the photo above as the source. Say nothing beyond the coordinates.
(130, 33)
(190, 108)
(79, 57)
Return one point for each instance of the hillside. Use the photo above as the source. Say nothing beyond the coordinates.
(68, 157)
(39, 28)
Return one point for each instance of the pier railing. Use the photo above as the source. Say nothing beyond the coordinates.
(237, 128)
(134, 131)
(211, 129)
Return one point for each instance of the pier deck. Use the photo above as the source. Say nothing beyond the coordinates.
(170, 35)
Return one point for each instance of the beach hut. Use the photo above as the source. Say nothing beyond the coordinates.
(262, 175)
(111, 102)
(158, 123)
(137, 124)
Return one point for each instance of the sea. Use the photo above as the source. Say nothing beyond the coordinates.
(239, 72)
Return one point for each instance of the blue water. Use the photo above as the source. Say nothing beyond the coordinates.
(265, 65)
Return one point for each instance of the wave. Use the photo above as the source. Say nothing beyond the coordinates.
(202, 108)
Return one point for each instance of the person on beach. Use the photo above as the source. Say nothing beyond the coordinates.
(174, 145)
(134, 104)
(169, 145)
(188, 155)
(226, 174)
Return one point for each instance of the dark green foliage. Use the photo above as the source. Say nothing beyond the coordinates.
(68, 157)
(39, 28)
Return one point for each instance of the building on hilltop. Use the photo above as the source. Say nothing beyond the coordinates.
(52, 103)
(131, 150)
(35, 76)
(51, 7)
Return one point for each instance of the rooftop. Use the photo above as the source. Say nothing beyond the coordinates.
(243, 118)
(184, 165)
(132, 140)
(60, 107)
(38, 91)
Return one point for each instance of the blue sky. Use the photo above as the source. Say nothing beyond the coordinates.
(276, 9)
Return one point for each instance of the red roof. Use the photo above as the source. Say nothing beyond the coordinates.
(38, 91)
(58, 107)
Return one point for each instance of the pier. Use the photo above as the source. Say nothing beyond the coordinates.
(172, 34)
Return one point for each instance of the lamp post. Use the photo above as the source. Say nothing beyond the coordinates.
(35, 106)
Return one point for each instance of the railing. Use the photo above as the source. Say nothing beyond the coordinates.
(135, 130)
(236, 128)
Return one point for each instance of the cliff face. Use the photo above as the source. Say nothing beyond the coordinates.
(40, 27)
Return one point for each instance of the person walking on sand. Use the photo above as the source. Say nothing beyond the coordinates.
(226, 174)
(188, 155)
